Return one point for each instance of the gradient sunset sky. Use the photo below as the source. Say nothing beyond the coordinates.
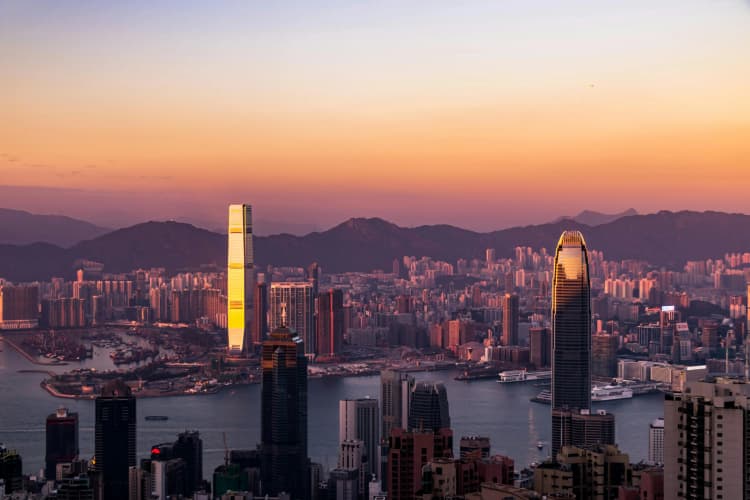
(479, 114)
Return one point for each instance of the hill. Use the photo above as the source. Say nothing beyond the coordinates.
(18, 227)
(362, 244)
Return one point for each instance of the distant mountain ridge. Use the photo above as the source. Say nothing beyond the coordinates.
(363, 244)
(18, 227)
(593, 218)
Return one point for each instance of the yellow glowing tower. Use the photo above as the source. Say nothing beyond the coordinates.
(239, 276)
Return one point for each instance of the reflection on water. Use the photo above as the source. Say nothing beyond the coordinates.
(500, 411)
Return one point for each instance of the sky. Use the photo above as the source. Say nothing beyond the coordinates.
(479, 114)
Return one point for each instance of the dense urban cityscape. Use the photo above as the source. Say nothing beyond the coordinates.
(568, 321)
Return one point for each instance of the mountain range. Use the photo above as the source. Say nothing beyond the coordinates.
(592, 218)
(18, 227)
(363, 244)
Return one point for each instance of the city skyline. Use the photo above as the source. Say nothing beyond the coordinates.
(391, 108)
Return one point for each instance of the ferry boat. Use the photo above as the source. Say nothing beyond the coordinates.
(610, 393)
(509, 376)
(157, 418)
(544, 397)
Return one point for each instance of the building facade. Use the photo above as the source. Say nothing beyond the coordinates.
(240, 278)
(571, 330)
(292, 304)
(114, 436)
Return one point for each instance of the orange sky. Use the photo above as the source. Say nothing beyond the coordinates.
(641, 105)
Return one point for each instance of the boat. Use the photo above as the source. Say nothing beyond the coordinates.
(544, 397)
(509, 376)
(539, 445)
(157, 418)
(610, 393)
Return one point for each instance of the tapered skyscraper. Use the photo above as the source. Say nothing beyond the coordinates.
(571, 331)
(239, 276)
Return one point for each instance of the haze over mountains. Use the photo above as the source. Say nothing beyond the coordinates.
(664, 239)
(593, 218)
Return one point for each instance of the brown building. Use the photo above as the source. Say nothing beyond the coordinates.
(604, 355)
(582, 428)
(510, 319)
(330, 322)
(540, 346)
(18, 304)
(408, 453)
(710, 336)
(595, 473)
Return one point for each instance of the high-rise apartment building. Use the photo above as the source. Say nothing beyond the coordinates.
(114, 435)
(240, 277)
(571, 330)
(408, 453)
(62, 440)
(292, 304)
(707, 441)
(474, 446)
(359, 419)
(582, 428)
(19, 306)
(284, 414)
(330, 322)
(428, 408)
(510, 319)
(656, 441)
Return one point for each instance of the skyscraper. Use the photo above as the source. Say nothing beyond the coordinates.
(510, 319)
(359, 419)
(428, 408)
(395, 394)
(284, 414)
(330, 322)
(114, 436)
(62, 440)
(291, 304)
(571, 331)
(260, 303)
(239, 276)
(189, 447)
(539, 346)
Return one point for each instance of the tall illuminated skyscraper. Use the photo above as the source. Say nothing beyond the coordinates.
(571, 332)
(239, 276)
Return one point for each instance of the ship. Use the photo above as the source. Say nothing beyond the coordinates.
(610, 393)
(544, 397)
(508, 376)
(157, 418)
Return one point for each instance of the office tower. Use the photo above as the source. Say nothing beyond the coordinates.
(239, 277)
(540, 346)
(313, 276)
(168, 473)
(707, 440)
(428, 408)
(583, 428)
(62, 440)
(408, 453)
(656, 441)
(260, 303)
(474, 446)
(571, 330)
(292, 305)
(604, 355)
(11, 469)
(344, 484)
(330, 322)
(352, 457)
(395, 394)
(510, 319)
(189, 447)
(114, 436)
(284, 414)
(359, 419)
